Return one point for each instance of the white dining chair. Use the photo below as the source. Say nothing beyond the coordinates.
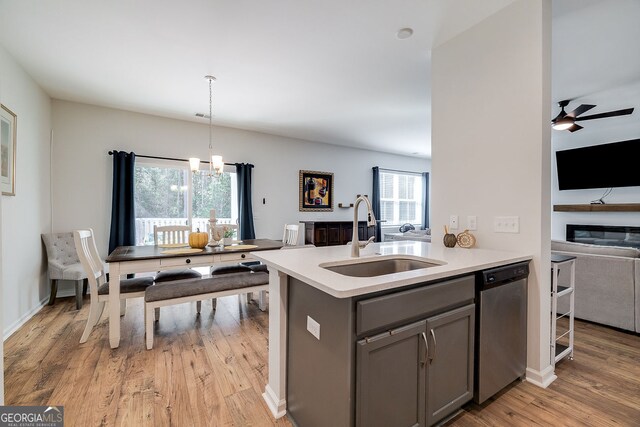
(98, 285)
(290, 236)
(173, 235)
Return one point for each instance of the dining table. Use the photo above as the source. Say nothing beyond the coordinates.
(126, 260)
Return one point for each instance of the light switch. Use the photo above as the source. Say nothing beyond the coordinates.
(313, 327)
(472, 222)
(453, 222)
(506, 224)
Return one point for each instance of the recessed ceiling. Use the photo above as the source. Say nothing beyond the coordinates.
(331, 71)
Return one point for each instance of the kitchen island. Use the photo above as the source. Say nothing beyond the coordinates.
(320, 321)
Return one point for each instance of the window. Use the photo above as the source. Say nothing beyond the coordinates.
(401, 198)
(167, 193)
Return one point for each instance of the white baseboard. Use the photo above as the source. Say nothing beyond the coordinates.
(276, 406)
(23, 319)
(542, 378)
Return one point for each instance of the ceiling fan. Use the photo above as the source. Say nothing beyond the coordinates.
(567, 121)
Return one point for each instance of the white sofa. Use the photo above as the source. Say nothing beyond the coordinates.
(607, 283)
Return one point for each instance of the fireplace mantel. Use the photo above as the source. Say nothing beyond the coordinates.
(612, 207)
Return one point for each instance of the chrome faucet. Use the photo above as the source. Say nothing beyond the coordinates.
(356, 245)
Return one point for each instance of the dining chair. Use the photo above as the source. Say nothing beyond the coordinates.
(63, 264)
(290, 236)
(98, 285)
(171, 236)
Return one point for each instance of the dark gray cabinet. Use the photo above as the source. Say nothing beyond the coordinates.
(450, 362)
(418, 374)
(390, 387)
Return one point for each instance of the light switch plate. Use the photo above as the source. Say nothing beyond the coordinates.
(472, 222)
(453, 222)
(313, 327)
(506, 224)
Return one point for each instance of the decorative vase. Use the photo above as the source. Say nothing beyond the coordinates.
(450, 240)
(227, 241)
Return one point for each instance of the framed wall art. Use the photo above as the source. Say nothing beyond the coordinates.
(316, 191)
(8, 124)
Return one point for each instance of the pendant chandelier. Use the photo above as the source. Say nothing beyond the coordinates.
(216, 164)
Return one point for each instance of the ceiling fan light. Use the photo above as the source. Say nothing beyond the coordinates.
(562, 124)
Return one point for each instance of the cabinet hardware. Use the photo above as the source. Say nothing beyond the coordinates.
(426, 346)
(433, 335)
(188, 261)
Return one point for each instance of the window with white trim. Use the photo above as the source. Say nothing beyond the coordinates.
(401, 198)
(168, 193)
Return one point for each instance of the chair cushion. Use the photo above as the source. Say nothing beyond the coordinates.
(227, 269)
(259, 268)
(171, 275)
(128, 286)
(73, 272)
(204, 286)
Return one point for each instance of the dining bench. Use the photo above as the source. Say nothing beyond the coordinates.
(182, 291)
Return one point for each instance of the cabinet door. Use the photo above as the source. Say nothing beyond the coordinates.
(346, 231)
(334, 234)
(450, 362)
(390, 378)
(362, 231)
(320, 235)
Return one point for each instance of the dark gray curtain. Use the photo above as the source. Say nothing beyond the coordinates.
(123, 218)
(375, 202)
(425, 202)
(245, 210)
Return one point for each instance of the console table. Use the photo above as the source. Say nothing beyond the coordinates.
(332, 233)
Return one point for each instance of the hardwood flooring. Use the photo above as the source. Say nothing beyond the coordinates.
(211, 371)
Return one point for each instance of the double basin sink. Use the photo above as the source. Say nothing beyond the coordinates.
(380, 266)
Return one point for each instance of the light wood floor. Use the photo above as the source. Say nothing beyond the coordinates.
(211, 371)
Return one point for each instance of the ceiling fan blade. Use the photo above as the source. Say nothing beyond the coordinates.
(574, 128)
(624, 112)
(583, 108)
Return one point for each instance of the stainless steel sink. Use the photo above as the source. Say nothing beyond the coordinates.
(379, 267)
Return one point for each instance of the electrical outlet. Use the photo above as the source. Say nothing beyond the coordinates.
(453, 222)
(506, 224)
(472, 222)
(313, 327)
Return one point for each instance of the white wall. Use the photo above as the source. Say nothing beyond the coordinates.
(491, 146)
(27, 214)
(82, 174)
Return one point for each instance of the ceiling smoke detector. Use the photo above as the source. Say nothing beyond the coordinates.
(404, 33)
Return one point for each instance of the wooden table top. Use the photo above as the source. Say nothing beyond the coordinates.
(136, 253)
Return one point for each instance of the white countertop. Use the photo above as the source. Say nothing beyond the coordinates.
(303, 264)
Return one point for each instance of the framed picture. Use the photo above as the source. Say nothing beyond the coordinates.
(316, 191)
(8, 124)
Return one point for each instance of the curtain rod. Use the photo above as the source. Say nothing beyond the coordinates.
(172, 158)
(397, 170)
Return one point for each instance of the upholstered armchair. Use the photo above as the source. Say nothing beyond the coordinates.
(64, 264)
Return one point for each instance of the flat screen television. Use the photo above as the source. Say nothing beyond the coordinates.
(600, 166)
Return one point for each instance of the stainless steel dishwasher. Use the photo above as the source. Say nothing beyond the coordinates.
(501, 328)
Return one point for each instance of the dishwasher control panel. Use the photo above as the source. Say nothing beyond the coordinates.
(507, 273)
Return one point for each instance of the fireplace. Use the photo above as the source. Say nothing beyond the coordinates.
(606, 235)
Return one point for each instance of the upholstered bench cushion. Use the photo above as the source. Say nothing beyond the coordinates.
(128, 286)
(227, 269)
(259, 268)
(220, 283)
(170, 275)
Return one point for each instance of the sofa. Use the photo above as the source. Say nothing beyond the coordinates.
(415, 235)
(607, 283)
